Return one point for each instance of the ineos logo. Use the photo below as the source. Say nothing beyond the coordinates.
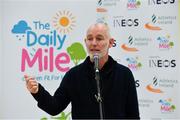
(153, 2)
(162, 63)
(137, 83)
(125, 22)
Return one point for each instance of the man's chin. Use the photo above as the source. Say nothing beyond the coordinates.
(92, 54)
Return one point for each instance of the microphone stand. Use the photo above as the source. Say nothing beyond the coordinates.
(98, 96)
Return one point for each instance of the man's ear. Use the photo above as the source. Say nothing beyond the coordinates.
(111, 42)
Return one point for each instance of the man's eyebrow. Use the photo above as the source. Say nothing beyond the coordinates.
(99, 36)
(89, 35)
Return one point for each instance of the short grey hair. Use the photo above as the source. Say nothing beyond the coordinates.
(107, 29)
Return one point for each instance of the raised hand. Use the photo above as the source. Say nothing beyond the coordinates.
(31, 84)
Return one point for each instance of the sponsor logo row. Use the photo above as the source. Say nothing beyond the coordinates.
(135, 4)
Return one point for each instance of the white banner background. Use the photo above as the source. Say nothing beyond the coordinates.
(127, 26)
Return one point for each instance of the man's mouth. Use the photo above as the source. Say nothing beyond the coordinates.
(94, 50)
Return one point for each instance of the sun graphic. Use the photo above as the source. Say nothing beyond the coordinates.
(64, 21)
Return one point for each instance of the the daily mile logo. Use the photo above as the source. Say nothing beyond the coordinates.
(44, 42)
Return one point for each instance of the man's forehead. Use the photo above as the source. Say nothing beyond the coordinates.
(96, 35)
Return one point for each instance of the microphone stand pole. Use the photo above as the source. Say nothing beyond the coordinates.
(98, 96)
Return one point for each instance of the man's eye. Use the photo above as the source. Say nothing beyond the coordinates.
(90, 39)
(99, 39)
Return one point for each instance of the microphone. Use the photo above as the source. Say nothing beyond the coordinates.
(97, 78)
(96, 62)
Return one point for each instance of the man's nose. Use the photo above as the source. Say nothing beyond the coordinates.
(94, 42)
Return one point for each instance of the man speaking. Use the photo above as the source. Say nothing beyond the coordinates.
(98, 88)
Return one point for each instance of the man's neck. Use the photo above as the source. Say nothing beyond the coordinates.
(102, 61)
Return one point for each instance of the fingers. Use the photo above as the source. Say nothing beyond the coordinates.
(31, 84)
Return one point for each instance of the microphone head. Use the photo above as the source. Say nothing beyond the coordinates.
(95, 56)
(96, 60)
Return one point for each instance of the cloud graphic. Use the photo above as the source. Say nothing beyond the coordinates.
(21, 27)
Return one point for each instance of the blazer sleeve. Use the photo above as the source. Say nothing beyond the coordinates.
(132, 99)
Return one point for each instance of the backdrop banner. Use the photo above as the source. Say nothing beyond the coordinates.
(39, 36)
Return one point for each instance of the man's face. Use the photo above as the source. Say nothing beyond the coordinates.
(98, 41)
